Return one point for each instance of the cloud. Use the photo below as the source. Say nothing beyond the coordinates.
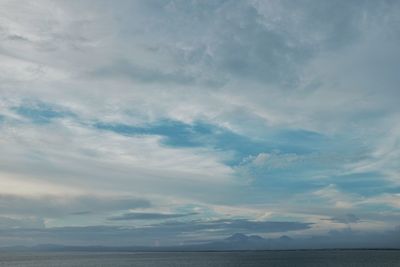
(336, 197)
(128, 70)
(21, 223)
(38, 152)
(238, 225)
(149, 216)
(346, 219)
(51, 206)
(81, 213)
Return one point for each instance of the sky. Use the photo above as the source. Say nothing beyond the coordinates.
(165, 122)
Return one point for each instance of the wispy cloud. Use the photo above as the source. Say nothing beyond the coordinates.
(149, 216)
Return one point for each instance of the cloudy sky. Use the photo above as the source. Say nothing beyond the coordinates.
(158, 122)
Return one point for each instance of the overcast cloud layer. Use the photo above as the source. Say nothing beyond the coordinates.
(166, 121)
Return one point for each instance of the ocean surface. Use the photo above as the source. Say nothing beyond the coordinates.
(328, 258)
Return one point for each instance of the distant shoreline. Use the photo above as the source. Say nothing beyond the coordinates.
(172, 250)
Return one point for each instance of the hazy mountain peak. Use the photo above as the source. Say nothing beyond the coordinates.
(239, 237)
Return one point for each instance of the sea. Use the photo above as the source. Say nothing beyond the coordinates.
(310, 258)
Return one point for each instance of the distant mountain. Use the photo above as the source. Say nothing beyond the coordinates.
(241, 241)
(236, 241)
(239, 237)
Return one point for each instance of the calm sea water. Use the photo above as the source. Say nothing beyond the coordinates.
(207, 259)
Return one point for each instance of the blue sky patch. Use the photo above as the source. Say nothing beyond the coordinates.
(41, 112)
(200, 134)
